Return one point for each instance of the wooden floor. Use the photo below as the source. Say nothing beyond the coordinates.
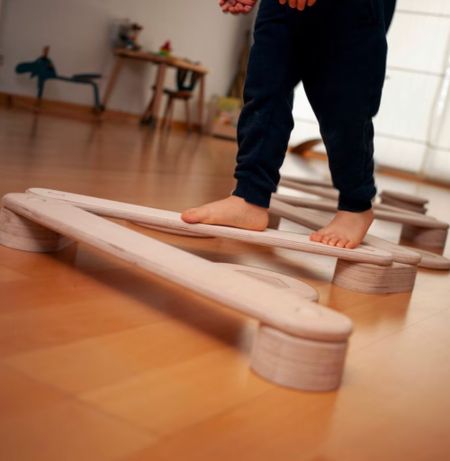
(99, 361)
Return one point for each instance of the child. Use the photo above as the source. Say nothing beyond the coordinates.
(337, 48)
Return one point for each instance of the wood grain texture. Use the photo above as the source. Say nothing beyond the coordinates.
(277, 280)
(367, 278)
(17, 232)
(298, 363)
(172, 220)
(281, 310)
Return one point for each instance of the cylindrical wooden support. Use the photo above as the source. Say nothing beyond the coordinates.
(369, 278)
(22, 234)
(420, 236)
(296, 362)
(274, 221)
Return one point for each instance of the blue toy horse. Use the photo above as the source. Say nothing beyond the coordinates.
(44, 69)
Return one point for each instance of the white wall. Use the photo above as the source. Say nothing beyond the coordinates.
(79, 33)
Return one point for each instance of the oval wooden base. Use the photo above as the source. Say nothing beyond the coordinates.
(277, 280)
(21, 234)
(369, 278)
(298, 363)
(432, 238)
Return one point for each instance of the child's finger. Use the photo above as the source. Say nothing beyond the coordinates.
(292, 3)
(311, 2)
(282, 2)
(301, 4)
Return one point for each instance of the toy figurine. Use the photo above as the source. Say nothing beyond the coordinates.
(128, 34)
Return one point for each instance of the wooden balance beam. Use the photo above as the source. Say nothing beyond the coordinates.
(417, 229)
(368, 278)
(299, 344)
(164, 219)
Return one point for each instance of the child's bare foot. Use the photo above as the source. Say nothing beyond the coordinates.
(233, 211)
(346, 230)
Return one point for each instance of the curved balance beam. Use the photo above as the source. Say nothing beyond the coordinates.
(401, 253)
(309, 341)
(413, 219)
(172, 220)
(417, 229)
(366, 278)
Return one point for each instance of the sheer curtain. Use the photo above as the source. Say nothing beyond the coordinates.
(413, 125)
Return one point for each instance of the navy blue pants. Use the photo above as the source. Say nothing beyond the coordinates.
(337, 48)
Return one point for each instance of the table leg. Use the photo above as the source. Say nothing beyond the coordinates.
(201, 102)
(152, 113)
(112, 80)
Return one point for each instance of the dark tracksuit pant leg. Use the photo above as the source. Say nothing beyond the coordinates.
(338, 50)
(343, 80)
(266, 119)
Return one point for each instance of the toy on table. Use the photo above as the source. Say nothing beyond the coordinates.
(44, 69)
(166, 49)
(128, 35)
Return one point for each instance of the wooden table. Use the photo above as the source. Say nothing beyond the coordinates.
(151, 115)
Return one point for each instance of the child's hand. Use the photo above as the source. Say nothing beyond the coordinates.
(299, 4)
(237, 6)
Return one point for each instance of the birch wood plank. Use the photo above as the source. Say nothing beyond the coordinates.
(172, 220)
(303, 326)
